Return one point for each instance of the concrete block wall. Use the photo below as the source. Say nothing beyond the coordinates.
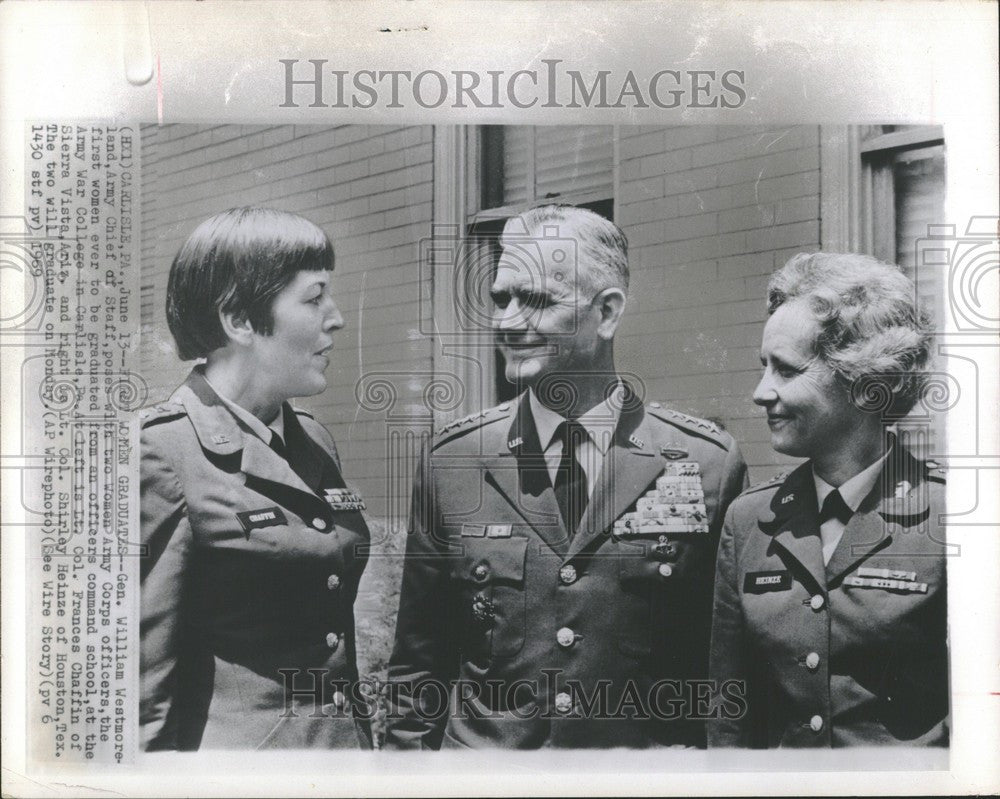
(370, 188)
(710, 213)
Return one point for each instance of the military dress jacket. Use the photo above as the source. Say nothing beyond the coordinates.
(510, 634)
(853, 653)
(250, 569)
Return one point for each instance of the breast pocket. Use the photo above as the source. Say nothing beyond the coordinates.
(659, 577)
(490, 577)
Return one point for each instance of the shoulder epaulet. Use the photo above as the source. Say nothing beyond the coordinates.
(777, 480)
(163, 412)
(473, 421)
(690, 424)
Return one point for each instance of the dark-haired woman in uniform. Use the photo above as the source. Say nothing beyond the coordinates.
(830, 625)
(254, 543)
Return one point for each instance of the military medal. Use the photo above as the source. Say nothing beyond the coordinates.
(675, 505)
(343, 499)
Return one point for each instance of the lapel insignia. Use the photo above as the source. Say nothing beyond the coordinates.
(218, 438)
(515, 442)
(903, 488)
(264, 517)
(498, 530)
(343, 499)
(675, 505)
(785, 500)
(635, 441)
(673, 452)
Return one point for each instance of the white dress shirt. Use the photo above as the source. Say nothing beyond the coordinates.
(853, 493)
(600, 423)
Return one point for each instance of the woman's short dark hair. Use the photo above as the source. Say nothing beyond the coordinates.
(237, 262)
(872, 331)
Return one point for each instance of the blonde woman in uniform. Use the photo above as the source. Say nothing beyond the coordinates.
(829, 624)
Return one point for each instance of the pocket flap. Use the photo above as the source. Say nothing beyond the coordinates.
(489, 559)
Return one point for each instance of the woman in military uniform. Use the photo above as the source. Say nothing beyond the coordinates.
(254, 546)
(829, 624)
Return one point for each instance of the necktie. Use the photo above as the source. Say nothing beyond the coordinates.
(571, 480)
(834, 507)
(278, 445)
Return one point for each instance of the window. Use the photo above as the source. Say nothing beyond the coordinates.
(521, 166)
(903, 174)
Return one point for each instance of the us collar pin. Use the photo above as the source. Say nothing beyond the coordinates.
(787, 499)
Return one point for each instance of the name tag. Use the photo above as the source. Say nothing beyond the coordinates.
(473, 530)
(764, 582)
(256, 519)
(343, 499)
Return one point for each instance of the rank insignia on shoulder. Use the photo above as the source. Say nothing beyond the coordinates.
(498, 530)
(343, 499)
(264, 517)
(765, 582)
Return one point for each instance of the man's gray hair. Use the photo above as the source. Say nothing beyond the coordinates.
(601, 243)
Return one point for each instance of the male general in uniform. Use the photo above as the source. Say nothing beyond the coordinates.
(558, 578)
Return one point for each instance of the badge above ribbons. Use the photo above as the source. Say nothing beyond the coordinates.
(676, 505)
(344, 499)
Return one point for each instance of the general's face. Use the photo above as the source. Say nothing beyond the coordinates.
(809, 411)
(295, 356)
(544, 317)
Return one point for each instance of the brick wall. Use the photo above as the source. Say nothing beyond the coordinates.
(710, 213)
(369, 188)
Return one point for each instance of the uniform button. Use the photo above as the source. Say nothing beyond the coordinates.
(319, 524)
(812, 661)
(817, 602)
(332, 640)
(339, 699)
(565, 637)
(333, 582)
(481, 572)
(564, 702)
(567, 574)
(816, 723)
(665, 569)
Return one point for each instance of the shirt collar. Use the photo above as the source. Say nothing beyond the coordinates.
(853, 491)
(261, 430)
(599, 422)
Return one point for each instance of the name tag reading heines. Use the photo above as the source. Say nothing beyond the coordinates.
(264, 517)
(343, 499)
(764, 582)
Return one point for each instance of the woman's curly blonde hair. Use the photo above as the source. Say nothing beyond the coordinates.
(872, 331)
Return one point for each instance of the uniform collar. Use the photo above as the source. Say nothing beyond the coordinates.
(852, 491)
(257, 426)
(599, 422)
